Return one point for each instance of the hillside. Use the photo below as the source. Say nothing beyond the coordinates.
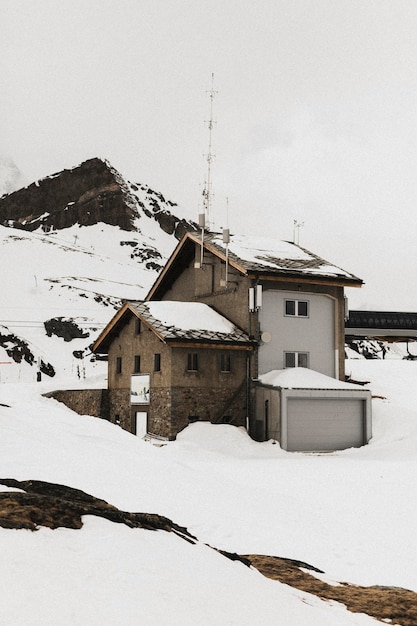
(73, 246)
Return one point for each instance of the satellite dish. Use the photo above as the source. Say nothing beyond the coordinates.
(266, 337)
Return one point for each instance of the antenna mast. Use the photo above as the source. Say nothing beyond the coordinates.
(207, 192)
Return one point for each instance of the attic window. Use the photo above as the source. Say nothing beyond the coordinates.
(137, 326)
(118, 365)
(136, 366)
(296, 308)
(156, 362)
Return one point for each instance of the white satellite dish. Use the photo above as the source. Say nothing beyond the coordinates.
(266, 337)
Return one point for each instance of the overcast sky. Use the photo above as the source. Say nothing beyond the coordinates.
(316, 114)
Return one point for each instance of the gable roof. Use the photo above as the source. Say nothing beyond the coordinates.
(254, 257)
(176, 323)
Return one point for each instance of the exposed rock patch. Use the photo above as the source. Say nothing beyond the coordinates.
(389, 604)
(65, 328)
(18, 350)
(54, 506)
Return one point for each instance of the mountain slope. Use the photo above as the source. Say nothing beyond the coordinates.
(72, 247)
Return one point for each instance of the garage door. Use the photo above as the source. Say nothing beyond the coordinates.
(324, 424)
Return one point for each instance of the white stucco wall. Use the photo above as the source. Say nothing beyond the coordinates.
(314, 334)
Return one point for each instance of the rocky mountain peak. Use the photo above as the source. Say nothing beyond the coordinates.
(87, 194)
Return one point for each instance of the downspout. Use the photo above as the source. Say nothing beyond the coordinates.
(248, 393)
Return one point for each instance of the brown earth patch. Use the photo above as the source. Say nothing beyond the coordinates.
(53, 506)
(393, 605)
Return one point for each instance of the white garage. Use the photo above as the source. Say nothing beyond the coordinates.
(309, 412)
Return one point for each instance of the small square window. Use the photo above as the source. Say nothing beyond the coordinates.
(289, 307)
(290, 359)
(118, 365)
(157, 363)
(302, 359)
(136, 368)
(295, 359)
(192, 362)
(296, 308)
(302, 308)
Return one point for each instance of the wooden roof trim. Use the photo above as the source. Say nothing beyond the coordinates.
(219, 346)
(168, 265)
(188, 236)
(111, 326)
(311, 279)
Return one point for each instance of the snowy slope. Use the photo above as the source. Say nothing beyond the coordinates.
(350, 513)
(80, 273)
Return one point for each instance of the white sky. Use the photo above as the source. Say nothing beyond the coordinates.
(316, 114)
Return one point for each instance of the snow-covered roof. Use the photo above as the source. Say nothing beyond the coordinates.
(188, 320)
(304, 378)
(267, 254)
(257, 256)
(174, 321)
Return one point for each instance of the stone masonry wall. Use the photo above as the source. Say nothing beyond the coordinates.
(82, 401)
(159, 416)
(203, 404)
(119, 408)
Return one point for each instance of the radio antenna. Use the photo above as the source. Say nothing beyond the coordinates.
(207, 192)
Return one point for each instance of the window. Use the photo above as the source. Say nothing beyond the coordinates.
(156, 362)
(118, 365)
(225, 362)
(296, 308)
(137, 326)
(136, 368)
(296, 359)
(192, 362)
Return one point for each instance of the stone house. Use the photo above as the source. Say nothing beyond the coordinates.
(171, 363)
(286, 305)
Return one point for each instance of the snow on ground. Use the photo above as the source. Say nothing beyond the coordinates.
(73, 273)
(350, 513)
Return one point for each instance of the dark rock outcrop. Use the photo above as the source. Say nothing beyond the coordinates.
(90, 193)
(86, 194)
(18, 349)
(65, 328)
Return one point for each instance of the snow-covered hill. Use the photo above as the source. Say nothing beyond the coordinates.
(78, 274)
(350, 513)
